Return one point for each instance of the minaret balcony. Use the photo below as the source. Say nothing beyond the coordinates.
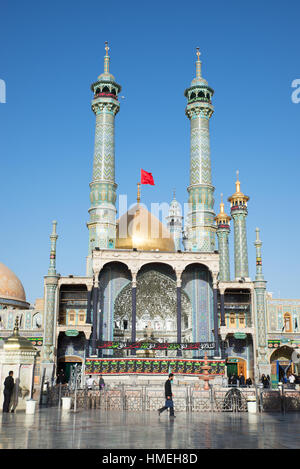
(239, 207)
(106, 95)
(196, 99)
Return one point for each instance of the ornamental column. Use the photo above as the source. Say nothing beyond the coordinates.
(223, 230)
(105, 105)
(178, 308)
(200, 228)
(222, 306)
(239, 213)
(89, 303)
(95, 313)
(133, 306)
(260, 306)
(50, 307)
(216, 316)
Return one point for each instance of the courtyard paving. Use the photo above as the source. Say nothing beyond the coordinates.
(53, 428)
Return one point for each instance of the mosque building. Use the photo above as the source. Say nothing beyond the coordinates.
(149, 285)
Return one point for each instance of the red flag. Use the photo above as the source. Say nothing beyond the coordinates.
(146, 178)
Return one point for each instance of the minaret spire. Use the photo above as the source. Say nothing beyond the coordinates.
(198, 64)
(105, 105)
(200, 227)
(239, 213)
(53, 239)
(223, 230)
(106, 58)
(260, 309)
(174, 222)
(50, 305)
(258, 245)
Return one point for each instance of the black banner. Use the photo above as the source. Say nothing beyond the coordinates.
(118, 345)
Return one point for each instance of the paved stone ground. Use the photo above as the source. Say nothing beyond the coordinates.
(93, 429)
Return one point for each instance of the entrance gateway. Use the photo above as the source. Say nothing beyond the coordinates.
(236, 366)
(282, 365)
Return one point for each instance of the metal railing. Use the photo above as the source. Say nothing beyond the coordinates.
(141, 398)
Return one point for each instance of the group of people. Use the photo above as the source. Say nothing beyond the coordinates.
(265, 380)
(90, 383)
(239, 381)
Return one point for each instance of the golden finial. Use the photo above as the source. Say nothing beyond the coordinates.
(238, 197)
(198, 63)
(106, 58)
(222, 218)
(238, 184)
(222, 204)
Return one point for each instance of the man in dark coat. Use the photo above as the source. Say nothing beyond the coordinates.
(242, 380)
(101, 383)
(8, 390)
(168, 395)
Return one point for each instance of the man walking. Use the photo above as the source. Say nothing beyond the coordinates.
(168, 393)
(8, 390)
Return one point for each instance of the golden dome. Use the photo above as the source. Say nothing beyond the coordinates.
(138, 229)
(10, 286)
(17, 342)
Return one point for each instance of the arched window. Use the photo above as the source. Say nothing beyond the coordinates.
(232, 320)
(287, 321)
(105, 89)
(201, 94)
(97, 90)
(192, 96)
(242, 320)
(208, 95)
(113, 91)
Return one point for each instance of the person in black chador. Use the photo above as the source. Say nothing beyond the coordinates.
(233, 380)
(61, 379)
(168, 393)
(8, 390)
(248, 382)
(264, 381)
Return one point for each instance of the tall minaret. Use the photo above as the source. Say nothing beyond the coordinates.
(200, 226)
(174, 222)
(223, 230)
(50, 306)
(239, 213)
(105, 105)
(260, 306)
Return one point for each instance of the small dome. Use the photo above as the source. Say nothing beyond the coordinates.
(139, 229)
(15, 342)
(199, 81)
(10, 286)
(106, 77)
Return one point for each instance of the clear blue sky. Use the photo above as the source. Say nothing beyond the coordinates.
(50, 54)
